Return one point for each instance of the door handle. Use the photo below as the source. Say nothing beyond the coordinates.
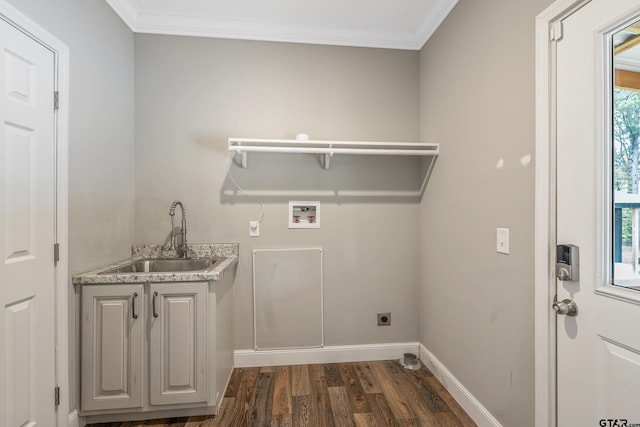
(153, 304)
(133, 306)
(566, 307)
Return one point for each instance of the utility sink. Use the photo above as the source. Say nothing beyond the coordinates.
(163, 265)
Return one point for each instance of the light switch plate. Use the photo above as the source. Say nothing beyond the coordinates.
(254, 228)
(502, 241)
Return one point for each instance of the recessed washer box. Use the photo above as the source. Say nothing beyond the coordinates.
(304, 214)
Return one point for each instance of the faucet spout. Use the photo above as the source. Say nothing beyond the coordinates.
(181, 247)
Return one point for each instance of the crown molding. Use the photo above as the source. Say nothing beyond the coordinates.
(433, 21)
(245, 30)
(199, 26)
(127, 11)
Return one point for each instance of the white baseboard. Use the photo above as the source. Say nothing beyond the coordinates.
(359, 353)
(469, 403)
(327, 354)
(74, 420)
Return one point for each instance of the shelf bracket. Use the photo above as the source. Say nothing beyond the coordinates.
(326, 160)
(243, 159)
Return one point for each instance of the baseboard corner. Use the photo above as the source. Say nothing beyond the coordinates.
(355, 353)
(75, 420)
(467, 401)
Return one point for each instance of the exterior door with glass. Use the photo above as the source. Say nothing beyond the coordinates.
(598, 348)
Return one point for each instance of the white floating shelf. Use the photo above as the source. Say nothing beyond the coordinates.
(327, 149)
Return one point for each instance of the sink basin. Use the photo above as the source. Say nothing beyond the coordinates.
(162, 265)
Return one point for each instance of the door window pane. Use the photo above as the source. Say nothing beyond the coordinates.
(626, 157)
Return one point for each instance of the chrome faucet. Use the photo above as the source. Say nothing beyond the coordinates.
(180, 247)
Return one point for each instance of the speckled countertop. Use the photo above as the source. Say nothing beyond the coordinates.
(227, 253)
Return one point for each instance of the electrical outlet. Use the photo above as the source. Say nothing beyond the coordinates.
(384, 319)
(254, 228)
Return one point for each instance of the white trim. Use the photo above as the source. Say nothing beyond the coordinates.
(127, 11)
(543, 379)
(469, 403)
(544, 282)
(242, 30)
(74, 420)
(61, 52)
(201, 26)
(253, 269)
(62, 223)
(370, 352)
(328, 354)
(433, 21)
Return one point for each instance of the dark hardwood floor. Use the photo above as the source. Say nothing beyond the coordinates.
(331, 395)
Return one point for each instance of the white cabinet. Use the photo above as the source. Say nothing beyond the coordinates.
(112, 347)
(153, 344)
(144, 340)
(178, 343)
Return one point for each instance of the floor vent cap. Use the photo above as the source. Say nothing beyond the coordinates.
(410, 361)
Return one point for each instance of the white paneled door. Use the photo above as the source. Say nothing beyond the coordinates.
(27, 230)
(598, 350)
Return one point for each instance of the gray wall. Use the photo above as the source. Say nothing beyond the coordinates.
(476, 98)
(194, 93)
(477, 101)
(101, 136)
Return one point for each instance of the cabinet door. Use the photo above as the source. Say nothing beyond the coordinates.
(178, 343)
(112, 346)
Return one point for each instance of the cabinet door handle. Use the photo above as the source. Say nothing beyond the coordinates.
(133, 306)
(153, 303)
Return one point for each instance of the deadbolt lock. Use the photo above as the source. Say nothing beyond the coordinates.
(567, 263)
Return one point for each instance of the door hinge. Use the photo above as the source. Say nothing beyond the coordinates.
(56, 393)
(56, 253)
(56, 100)
(555, 32)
